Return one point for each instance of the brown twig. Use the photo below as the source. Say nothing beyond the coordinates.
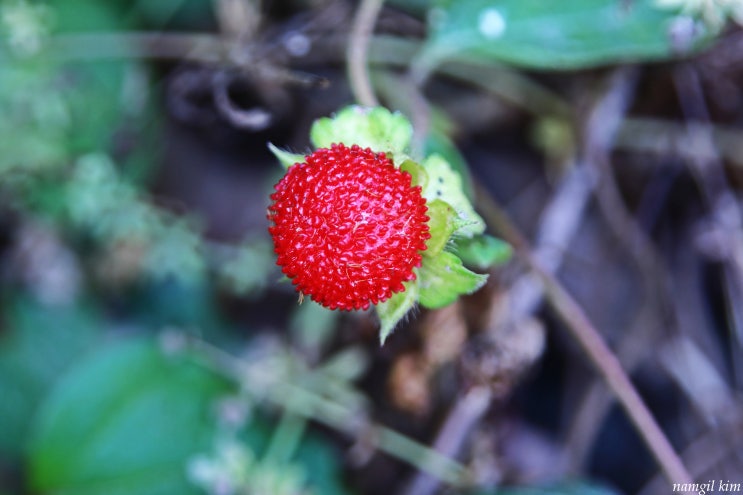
(602, 123)
(590, 340)
(596, 401)
(464, 415)
(611, 370)
(558, 224)
(706, 454)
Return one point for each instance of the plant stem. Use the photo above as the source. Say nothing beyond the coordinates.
(358, 49)
(609, 367)
(302, 402)
(465, 414)
(286, 437)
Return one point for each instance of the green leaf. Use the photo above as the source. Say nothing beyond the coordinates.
(417, 172)
(126, 420)
(286, 158)
(442, 223)
(483, 251)
(376, 128)
(38, 343)
(442, 279)
(570, 34)
(395, 308)
(445, 184)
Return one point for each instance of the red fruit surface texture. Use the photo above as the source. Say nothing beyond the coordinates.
(348, 227)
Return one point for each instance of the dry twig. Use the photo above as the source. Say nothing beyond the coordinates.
(595, 348)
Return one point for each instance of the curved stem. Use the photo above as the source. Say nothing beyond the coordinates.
(358, 50)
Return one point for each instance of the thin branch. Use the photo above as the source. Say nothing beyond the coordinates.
(558, 224)
(238, 19)
(595, 403)
(358, 51)
(295, 397)
(707, 453)
(674, 139)
(572, 314)
(595, 348)
(467, 411)
(610, 368)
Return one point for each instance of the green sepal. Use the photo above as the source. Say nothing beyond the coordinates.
(483, 251)
(286, 158)
(442, 224)
(395, 308)
(438, 143)
(446, 184)
(376, 128)
(417, 172)
(443, 279)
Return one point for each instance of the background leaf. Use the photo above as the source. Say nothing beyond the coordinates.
(124, 421)
(37, 345)
(550, 35)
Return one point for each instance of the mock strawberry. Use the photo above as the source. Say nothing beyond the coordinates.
(348, 227)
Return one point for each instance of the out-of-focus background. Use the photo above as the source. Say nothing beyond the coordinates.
(149, 346)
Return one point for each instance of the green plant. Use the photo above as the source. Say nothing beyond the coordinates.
(323, 197)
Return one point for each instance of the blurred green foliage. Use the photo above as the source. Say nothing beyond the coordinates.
(563, 35)
(133, 416)
(38, 344)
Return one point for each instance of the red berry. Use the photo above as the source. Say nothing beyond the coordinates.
(348, 227)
